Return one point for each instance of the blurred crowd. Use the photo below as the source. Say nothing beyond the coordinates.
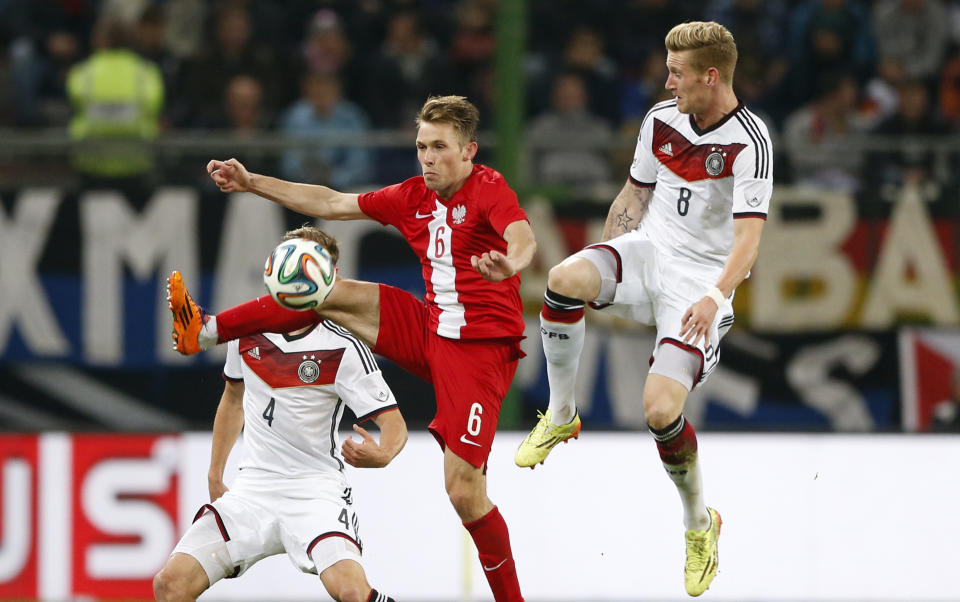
(821, 72)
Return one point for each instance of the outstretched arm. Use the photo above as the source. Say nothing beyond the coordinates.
(226, 428)
(746, 246)
(627, 210)
(521, 245)
(368, 453)
(308, 199)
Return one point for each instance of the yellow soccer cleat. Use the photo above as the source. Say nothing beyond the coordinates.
(188, 317)
(543, 438)
(702, 559)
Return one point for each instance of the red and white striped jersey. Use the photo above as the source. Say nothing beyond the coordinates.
(445, 234)
(295, 388)
(704, 179)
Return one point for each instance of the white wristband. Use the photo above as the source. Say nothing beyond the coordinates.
(717, 295)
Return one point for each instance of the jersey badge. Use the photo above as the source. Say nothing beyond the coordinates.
(667, 149)
(309, 370)
(714, 163)
(459, 214)
(254, 353)
(754, 202)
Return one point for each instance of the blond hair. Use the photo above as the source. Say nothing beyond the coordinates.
(454, 110)
(712, 45)
(318, 236)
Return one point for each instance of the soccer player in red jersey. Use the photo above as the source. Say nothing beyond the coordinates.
(464, 223)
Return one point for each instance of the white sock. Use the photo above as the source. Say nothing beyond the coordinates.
(562, 344)
(686, 477)
(208, 335)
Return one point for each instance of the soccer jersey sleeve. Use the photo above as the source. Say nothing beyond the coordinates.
(360, 383)
(753, 172)
(387, 204)
(643, 170)
(232, 370)
(504, 209)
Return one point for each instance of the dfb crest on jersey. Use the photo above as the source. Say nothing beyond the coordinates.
(714, 163)
(309, 370)
(459, 214)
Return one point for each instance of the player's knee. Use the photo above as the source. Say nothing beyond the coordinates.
(167, 587)
(659, 413)
(465, 499)
(349, 592)
(460, 496)
(343, 587)
(354, 592)
(563, 280)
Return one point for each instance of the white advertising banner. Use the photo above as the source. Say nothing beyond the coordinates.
(806, 517)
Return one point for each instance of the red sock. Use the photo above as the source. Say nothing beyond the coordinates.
(261, 315)
(490, 534)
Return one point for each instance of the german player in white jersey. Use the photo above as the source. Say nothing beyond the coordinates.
(287, 392)
(679, 238)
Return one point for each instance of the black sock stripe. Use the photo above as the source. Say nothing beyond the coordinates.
(558, 301)
(670, 432)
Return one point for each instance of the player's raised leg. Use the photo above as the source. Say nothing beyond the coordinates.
(467, 488)
(562, 329)
(663, 399)
(353, 304)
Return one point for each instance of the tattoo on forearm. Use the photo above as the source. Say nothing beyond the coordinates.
(627, 210)
(623, 221)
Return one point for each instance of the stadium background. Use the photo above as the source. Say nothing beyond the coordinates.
(847, 325)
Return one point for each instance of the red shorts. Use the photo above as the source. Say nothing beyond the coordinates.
(470, 378)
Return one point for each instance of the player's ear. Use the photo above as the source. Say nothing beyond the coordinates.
(470, 151)
(713, 76)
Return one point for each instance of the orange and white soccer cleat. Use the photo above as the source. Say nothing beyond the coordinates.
(188, 317)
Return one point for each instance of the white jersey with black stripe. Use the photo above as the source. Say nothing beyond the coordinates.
(704, 179)
(295, 389)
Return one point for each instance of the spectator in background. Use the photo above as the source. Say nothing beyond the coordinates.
(914, 33)
(640, 86)
(243, 106)
(640, 25)
(117, 98)
(762, 64)
(407, 68)
(570, 143)
(827, 36)
(885, 172)
(818, 136)
(326, 51)
(151, 43)
(322, 110)
(472, 51)
(585, 54)
(881, 96)
(46, 39)
(232, 51)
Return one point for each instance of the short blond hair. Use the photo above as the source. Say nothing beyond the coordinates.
(318, 236)
(712, 45)
(454, 110)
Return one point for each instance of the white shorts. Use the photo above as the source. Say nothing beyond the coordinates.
(639, 282)
(312, 520)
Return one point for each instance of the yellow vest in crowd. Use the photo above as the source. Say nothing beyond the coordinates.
(117, 97)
